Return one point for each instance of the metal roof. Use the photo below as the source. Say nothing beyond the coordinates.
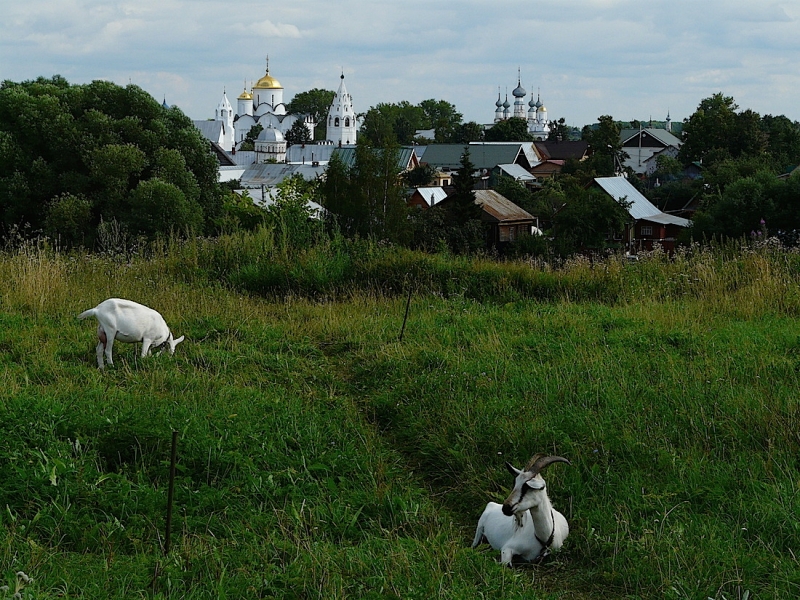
(432, 195)
(230, 173)
(517, 172)
(668, 219)
(309, 153)
(661, 135)
(271, 174)
(620, 189)
(562, 150)
(211, 130)
(637, 157)
(483, 155)
(406, 158)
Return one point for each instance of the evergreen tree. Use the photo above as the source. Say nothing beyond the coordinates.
(342, 209)
(463, 207)
(298, 134)
(465, 231)
(249, 141)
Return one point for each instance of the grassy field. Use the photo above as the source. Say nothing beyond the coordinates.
(320, 456)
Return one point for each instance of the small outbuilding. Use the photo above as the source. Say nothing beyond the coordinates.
(426, 197)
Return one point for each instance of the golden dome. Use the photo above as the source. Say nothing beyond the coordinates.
(267, 82)
(245, 95)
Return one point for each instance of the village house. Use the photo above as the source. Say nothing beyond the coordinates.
(425, 197)
(506, 221)
(485, 156)
(648, 225)
(643, 146)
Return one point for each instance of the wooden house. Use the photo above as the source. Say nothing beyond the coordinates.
(505, 220)
(648, 225)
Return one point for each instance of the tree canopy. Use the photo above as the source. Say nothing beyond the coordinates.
(315, 102)
(605, 144)
(514, 129)
(399, 122)
(366, 199)
(72, 156)
(716, 132)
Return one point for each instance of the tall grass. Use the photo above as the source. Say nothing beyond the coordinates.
(321, 457)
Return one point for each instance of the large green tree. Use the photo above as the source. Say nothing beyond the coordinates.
(559, 130)
(514, 129)
(63, 147)
(607, 155)
(442, 117)
(468, 132)
(716, 132)
(389, 123)
(783, 140)
(249, 141)
(315, 102)
(399, 122)
(582, 218)
(367, 199)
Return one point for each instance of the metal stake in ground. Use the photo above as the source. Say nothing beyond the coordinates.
(171, 492)
(405, 318)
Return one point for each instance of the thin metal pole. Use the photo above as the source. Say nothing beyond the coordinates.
(171, 493)
(405, 318)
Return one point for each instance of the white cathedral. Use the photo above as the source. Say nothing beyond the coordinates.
(536, 116)
(263, 105)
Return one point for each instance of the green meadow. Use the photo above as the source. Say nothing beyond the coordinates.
(322, 456)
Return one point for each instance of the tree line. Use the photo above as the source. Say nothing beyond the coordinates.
(80, 160)
(82, 163)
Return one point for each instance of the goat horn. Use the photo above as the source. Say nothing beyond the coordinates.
(540, 462)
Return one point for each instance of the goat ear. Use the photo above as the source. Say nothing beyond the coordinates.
(511, 469)
(535, 484)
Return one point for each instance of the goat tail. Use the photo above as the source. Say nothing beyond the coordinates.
(87, 313)
(478, 539)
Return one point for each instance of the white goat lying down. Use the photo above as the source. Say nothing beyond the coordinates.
(130, 322)
(526, 524)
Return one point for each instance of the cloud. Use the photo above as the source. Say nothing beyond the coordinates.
(588, 57)
(267, 29)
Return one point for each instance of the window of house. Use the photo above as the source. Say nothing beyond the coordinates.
(336, 122)
(646, 230)
(347, 121)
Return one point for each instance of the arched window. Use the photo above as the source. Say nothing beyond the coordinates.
(336, 122)
(347, 121)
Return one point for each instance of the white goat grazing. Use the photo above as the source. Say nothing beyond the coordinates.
(130, 322)
(526, 524)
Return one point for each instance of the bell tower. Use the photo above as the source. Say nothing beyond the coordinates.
(342, 126)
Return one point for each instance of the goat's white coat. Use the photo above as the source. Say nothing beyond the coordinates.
(129, 322)
(532, 515)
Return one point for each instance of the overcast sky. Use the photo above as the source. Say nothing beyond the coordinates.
(632, 59)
